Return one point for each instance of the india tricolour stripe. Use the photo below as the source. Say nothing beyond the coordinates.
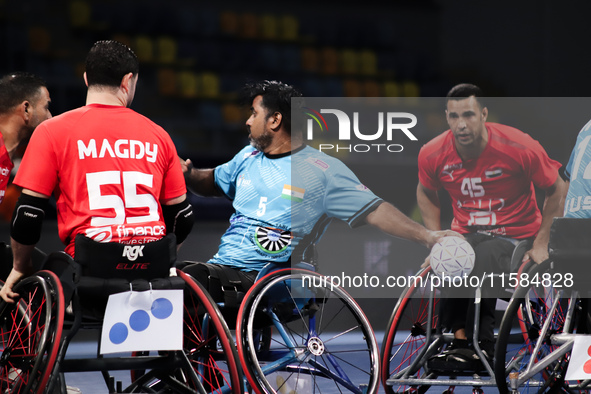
(293, 193)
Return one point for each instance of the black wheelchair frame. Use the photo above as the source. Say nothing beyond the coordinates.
(33, 349)
(416, 317)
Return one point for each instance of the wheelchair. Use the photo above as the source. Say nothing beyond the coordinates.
(35, 333)
(545, 314)
(416, 332)
(297, 332)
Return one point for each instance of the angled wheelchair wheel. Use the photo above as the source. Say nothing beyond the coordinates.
(30, 334)
(531, 355)
(322, 342)
(406, 346)
(211, 365)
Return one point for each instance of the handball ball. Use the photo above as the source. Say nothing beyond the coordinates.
(453, 256)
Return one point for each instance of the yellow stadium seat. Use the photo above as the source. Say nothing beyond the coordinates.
(289, 27)
(210, 85)
(349, 62)
(368, 62)
(392, 89)
(410, 89)
(269, 27)
(144, 48)
(80, 12)
(188, 84)
(167, 50)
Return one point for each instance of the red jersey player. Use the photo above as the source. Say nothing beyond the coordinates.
(489, 171)
(115, 174)
(24, 104)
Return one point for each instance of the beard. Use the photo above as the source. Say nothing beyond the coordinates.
(261, 142)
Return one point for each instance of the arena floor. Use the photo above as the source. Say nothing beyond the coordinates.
(92, 382)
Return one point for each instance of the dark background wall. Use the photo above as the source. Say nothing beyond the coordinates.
(196, 55)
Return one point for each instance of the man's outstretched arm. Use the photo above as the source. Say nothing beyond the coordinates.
(199, 181)
(390, 220)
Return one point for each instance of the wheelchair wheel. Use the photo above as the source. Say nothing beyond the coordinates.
(534, 315)
(322, 341)
(212, 361)
(30, 334)
(404, 345)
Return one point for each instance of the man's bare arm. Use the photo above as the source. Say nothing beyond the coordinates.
(553, 207)
(430, 207)
(22, 263)
(390, 220)
(199, 181)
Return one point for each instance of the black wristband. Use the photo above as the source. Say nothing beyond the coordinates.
(178, 219)
(27, 219)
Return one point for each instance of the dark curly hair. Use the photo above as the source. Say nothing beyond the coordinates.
(108, 61)
(276, 98)
(17, 87)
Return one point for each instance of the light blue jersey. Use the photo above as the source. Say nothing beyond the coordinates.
(578, 170)
(283, 204)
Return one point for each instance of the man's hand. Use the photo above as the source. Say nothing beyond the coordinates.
(6, 293)
(538, 254)
(434, 237)
(186, 165)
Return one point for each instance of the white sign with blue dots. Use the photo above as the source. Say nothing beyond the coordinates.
(143, 320)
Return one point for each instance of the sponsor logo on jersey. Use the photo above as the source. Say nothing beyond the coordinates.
(449, 169)
(493, 173)
(242, 181)
(293, 193)
(122, 149)
(318, 163)
(4, 171)
(133, 252)
(272, 240)
(100, 234)
(152, 231)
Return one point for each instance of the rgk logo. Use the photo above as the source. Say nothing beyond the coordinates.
(345, 125)
(133, 252)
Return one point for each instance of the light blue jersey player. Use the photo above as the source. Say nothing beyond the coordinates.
(284, 203)
(284, 194)
(578, 172)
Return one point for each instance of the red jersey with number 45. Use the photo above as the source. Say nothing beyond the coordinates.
(108, 167)
(495, 192)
